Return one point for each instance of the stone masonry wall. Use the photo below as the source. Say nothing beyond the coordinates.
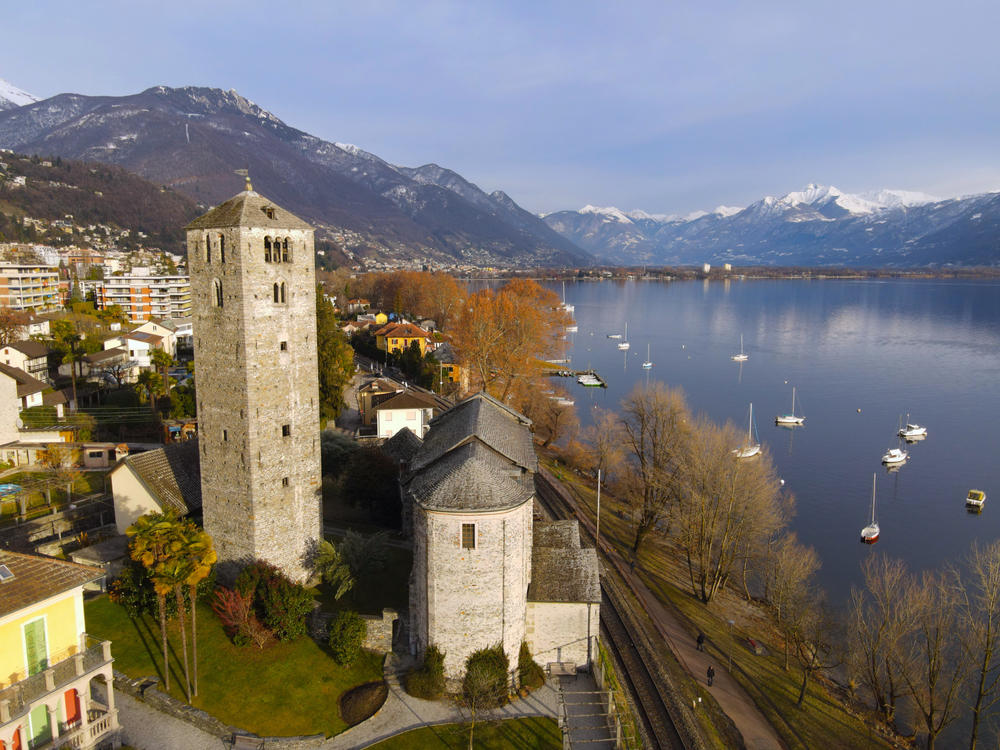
(475, 598)
(257, 397)
(562, 632)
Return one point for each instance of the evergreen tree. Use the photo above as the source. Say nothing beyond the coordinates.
(334, 359)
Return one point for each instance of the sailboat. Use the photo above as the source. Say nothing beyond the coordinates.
(648, 364)
(869, 534)
(624, 345)
(790, 419)
(742, 356)
(565, 306)
(751, 448)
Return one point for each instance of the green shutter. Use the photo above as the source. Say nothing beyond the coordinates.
(40, 732)
(34, 646)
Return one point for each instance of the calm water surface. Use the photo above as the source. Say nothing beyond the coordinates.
(886, 348)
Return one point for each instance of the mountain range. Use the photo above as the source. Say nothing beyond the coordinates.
(817, 226)
(192, 139)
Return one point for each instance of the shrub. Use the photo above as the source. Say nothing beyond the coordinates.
(133, 590)
(279, 603)
(235, 610)
(427, 681)
(529, 673)
(486, 678)
(362, 702)
(335, 448)
(347, 633)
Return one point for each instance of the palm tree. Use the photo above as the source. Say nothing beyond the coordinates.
(162, 361)
(150, 383)
(332, 568)
(200, 555)
(150, 535)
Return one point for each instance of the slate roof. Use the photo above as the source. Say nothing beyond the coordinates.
(171, 474)
(562, 571)
(247, 210)
(446, 353)
(470, 478)
(26, 385)
(37, 577)
(484, 418)
(402, 446)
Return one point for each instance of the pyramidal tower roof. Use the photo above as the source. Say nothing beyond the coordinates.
(248, 209)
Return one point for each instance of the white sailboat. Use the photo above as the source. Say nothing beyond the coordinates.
(742, 356)
(565, 306)
(751, 448)
(869, 534)
(624, 345)
(648, 364)
(790, 418)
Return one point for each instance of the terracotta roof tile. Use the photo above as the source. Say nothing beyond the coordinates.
(37, 578)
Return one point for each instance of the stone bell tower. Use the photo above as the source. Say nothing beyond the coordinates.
(253, 289)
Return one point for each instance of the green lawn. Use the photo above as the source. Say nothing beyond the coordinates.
(286, 689)
(823, 721)
(518, 734)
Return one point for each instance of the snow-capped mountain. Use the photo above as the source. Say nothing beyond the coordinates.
(192, 139)
(11, 96)
(818, 225)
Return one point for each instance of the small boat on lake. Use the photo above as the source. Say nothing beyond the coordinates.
(869, 534)
(614, 335)
(648, 364)
(624, 345)
(565, 306)
(895, 456)
(751, 448)
(590, 380)
(742, 356)
(912, 432)
(975, 500)
(789, 420)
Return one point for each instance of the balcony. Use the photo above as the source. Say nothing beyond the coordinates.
(96, 722)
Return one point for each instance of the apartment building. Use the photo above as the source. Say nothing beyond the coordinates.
(143, 297)
(29, 286)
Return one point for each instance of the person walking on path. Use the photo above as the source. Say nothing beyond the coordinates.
(711, 675)
(701, 641)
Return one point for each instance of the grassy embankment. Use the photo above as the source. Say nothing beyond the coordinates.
(823, 720)
(534, 733)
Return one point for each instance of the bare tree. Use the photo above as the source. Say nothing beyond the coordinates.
(980, 629)
(814, 633)
(725, 505)
(788, 574)
(656, 427)
(605, 439)
(935, 665)
(877, 627)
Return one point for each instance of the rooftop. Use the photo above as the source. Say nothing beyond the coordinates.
(470, 478)
(36, 578)
(248, 209)
(561, 570)
(26, 385)
(171, 474)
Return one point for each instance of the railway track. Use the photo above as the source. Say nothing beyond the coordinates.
(633, 656)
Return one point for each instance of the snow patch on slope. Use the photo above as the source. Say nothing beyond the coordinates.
(11, 96)
(608, 213)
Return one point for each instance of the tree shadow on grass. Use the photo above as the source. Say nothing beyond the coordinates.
(152, 641)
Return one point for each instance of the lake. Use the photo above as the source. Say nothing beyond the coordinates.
(862, 355)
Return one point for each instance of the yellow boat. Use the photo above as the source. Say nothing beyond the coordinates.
(976, 499)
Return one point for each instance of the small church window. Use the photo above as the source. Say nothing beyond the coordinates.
(468, 536)
(225, 435)
(208, 248)
(216, 293)
(267, 249)
(286, 430)
(282, 292)
(222, 248)
(283, 346)
(284, 481)
(284, 250)
(276, 292)
(279, 292)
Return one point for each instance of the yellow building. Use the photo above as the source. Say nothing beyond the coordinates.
(56, 688)
(396, 337)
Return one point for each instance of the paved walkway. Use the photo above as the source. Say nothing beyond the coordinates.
(586, 718)
(145, 728)
(402, 712)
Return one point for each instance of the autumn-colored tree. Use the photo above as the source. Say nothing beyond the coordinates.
(604, 437)
(334, 359)
(11, 326)
(503, 336)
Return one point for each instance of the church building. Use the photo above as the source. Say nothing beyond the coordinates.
(253, 290)
(485, 572)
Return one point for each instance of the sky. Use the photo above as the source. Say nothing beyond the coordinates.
(665, 106)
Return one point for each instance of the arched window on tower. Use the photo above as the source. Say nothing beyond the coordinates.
(267, 249)
(284, 251)
(216, 293)
(282, 292)
(208, 248)
(277, 291)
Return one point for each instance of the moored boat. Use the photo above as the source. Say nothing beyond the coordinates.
(895, 456)
(975, 500)
(742, 356)
(789, 420)
(869, 534)
(751, 448)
